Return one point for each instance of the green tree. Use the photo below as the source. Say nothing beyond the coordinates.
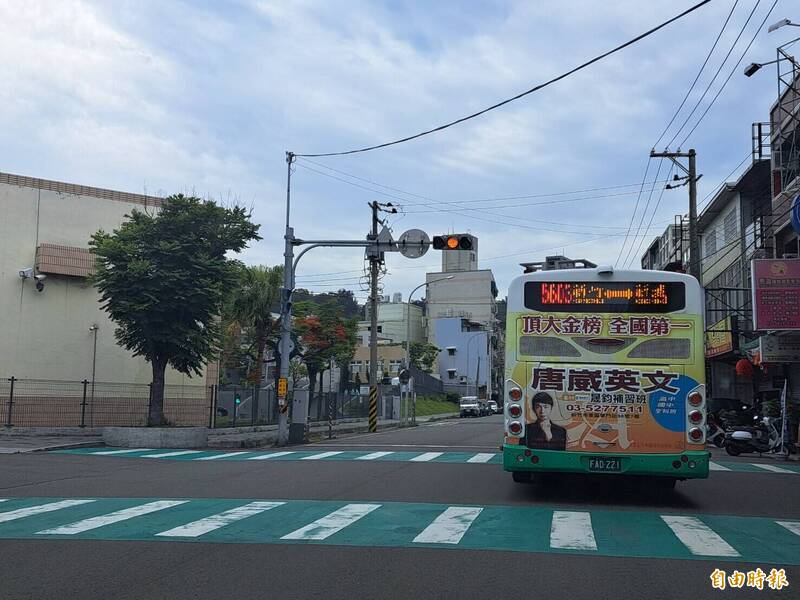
(423, 355)
(163, 278)
(249, 310)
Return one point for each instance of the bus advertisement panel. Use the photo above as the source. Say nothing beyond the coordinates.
(607, 377)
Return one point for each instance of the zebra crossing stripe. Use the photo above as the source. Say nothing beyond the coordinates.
(328, 525)
(793, 526)
(203, 526)
(712, 466)
(450, 526)
(115, 452)
(321, 455)
(772, 468)
(3, 499)
(698, 537)
(572, 530)
(234, 455)
(37, 510)
(426, 456)
(168, 454)
(271, 455)
(481, 457)
(114, 517)
(373, 455)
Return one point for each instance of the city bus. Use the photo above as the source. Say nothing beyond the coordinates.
(604, 374)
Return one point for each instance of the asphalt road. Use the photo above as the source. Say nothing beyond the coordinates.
(377, 560)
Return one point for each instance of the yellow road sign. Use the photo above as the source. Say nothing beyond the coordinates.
(282, 386)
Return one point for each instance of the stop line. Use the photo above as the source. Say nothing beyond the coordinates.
(399, 524)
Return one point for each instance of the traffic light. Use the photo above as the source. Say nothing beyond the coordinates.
(452, 242)
(237, 398)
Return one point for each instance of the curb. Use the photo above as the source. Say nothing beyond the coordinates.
(95, 444)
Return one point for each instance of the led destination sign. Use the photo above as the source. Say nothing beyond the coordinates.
(617, 296)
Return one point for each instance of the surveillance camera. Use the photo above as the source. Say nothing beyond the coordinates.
(40, 277)
(26, 273)
(39, 284)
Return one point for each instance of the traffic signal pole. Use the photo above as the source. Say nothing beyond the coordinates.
(286, 314)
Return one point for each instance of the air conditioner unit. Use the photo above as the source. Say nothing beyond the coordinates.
(462, 379)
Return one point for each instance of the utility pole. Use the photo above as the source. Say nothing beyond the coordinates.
(374, 261)
(286, 315)
(695, 262)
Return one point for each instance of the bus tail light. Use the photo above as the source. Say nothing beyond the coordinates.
(515, 427)
(696, 417)
(515, 394)
(695, 398)
(696, 434)
(515, 410)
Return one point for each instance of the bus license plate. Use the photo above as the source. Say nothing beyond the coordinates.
(604, 464)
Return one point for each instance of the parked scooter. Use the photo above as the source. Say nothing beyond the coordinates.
(764, 436)
(714, 433)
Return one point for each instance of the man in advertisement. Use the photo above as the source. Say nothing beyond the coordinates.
(543, 433)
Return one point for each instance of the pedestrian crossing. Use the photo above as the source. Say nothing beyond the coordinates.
(383, 455)
(399, 524)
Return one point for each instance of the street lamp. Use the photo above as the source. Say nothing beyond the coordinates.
(408, 315)
(468, 365)
(93, 329)
(781, 23)
(408, 337)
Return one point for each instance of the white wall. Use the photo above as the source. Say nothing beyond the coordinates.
(45, 335)
(467, 295)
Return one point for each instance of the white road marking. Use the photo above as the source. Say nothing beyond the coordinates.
(426, 456)
(168, 454)
(712, 466)
(572, 530)
(698, 537)
(114, 517)
(481, 457)
(113, 452)
(37, 510)
(328, 525)
(793, 526)
(221, 455)
(373, 455)
(773, 468)
(271, 455)
(321, 455)
(450, 526)
(3, 499)
(213, 522)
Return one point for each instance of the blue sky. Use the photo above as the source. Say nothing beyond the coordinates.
(206, 97)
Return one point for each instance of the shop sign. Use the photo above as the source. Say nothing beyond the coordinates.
(719, 338)
(776, 294)
(780, 348)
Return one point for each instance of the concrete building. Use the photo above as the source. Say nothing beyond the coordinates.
(390, 359)
(465, 362)
(49, 329)
(670, 247)
(732, 230)
(393, 323)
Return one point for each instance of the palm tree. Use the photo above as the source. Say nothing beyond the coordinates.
(249, 309)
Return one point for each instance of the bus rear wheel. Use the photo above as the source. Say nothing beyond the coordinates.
(521, 476)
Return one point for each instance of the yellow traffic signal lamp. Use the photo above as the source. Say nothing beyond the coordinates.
(452, 242)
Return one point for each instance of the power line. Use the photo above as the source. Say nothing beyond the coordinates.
(652, 216)
(644, 213)
(714, 78)
(703, 66)
(473, 200)
(735, 67)
(635, 208)
(518, 96)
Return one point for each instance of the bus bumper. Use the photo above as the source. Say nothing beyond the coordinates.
(691, 464)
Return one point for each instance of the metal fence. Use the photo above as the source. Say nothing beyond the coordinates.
(43, 403)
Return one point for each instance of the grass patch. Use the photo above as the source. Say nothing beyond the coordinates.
(434, 405)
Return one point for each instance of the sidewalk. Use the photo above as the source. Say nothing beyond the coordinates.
(720, 454)
(25, 439)
(268, 435)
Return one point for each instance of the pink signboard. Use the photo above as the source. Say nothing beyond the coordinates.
(776, 294)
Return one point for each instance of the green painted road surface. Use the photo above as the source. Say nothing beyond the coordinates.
(476, 458)
(397, 524)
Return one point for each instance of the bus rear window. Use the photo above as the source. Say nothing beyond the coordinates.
(605, 297)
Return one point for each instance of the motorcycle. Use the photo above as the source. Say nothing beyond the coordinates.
(714, 433)
(764, 436)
